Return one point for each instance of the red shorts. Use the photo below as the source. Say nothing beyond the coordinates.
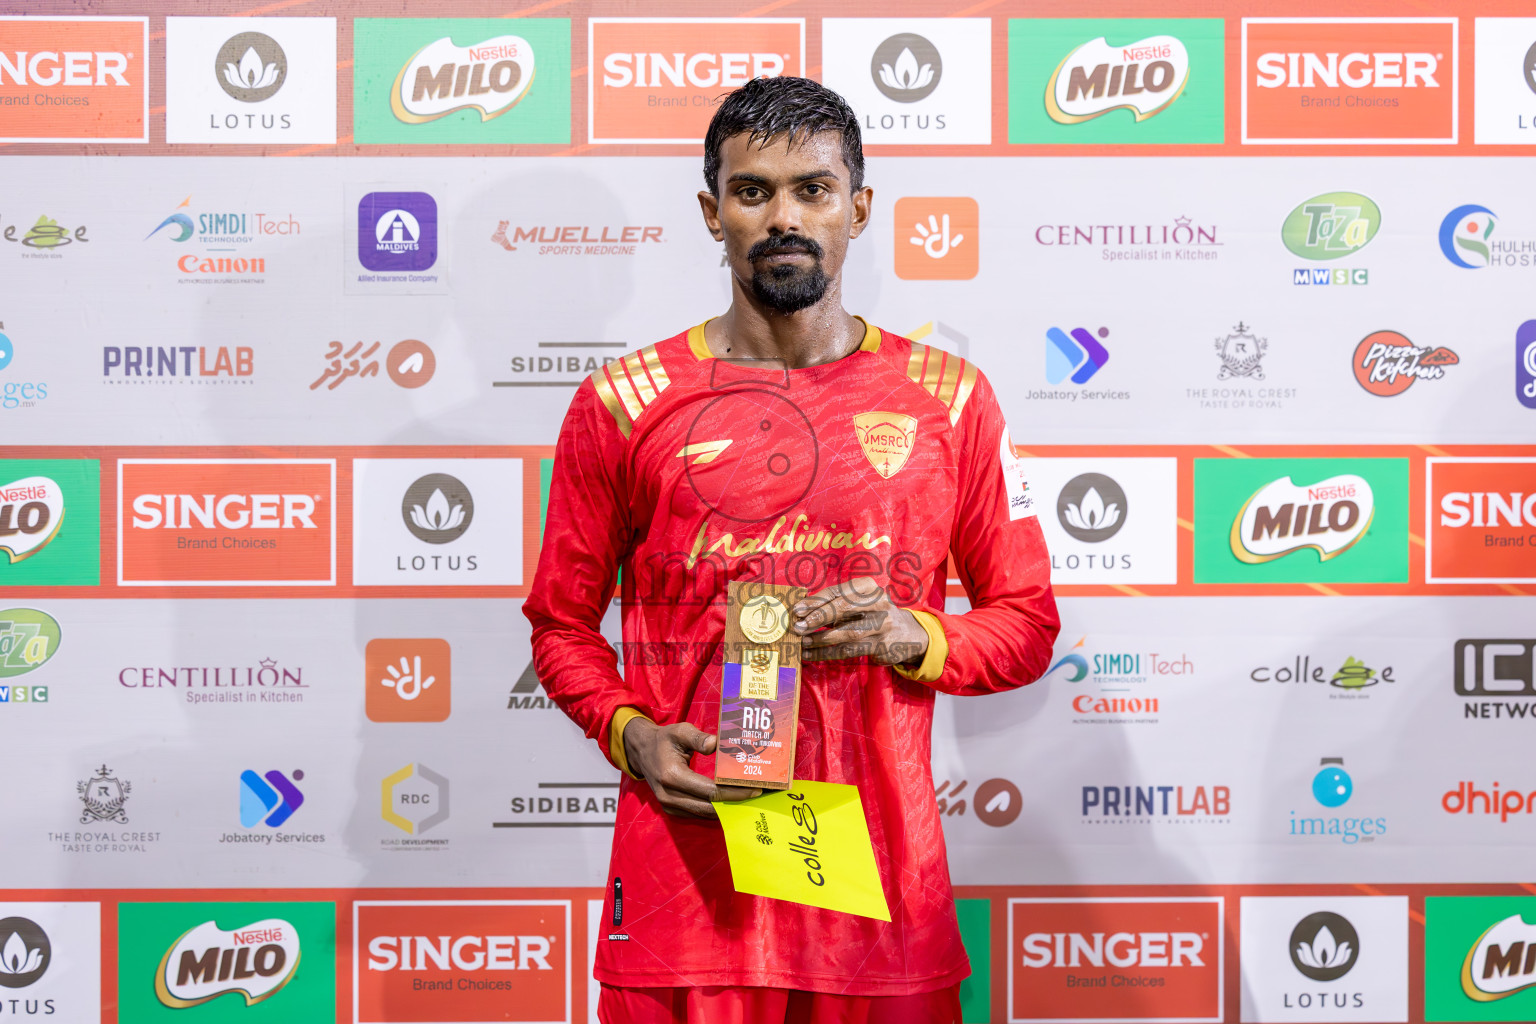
(772, 1006)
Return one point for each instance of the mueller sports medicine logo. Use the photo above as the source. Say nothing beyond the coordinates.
(1480, 520)
(206, 962)
(577, 239)
(1282, 517)
(1349, 80)
(74, 79)
(237, 522)
(488, 78)
(1143, 77)
(1115, 959)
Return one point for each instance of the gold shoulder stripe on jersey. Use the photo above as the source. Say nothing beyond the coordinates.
(704, 451)
(629, 385)
(948, 378)
(700, 348)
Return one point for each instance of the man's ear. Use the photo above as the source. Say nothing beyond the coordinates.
(709, 204)
(863, 202)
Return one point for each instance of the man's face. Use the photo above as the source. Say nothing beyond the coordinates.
(786, 215)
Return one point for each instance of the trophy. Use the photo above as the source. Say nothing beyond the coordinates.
(759, 687)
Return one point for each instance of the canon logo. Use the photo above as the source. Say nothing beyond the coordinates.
(704, 70)
(466, 953)
(1485, 508)
(1120, 949)
(71, 67)
(230, 511)
(1353, 70)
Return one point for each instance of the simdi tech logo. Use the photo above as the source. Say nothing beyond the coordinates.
(74, 79)
(1126, 959)
(658, 80)
(1336, 81)
(226, 522)
(248, 962)
(50, 522)
(461, 81)
(1480, 520)
(1301, 520)
(1477, 958)
(1108, 80)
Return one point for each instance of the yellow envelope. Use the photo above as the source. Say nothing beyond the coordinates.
(808, 844)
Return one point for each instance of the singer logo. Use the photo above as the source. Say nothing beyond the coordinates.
(240, 522)
(489, 77)
(467, 961)
(1480, 520)
(73, 79)
(657, 80)
(1114, 959)
(1349, 80)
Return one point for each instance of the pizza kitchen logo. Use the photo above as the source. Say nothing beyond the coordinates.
(1386, 363)
(1143, 77)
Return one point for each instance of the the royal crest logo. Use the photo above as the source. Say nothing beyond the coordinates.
(1144, 77)
(887, 439)
(1329, 516)
(440, 78)
(255, 961)
(103, 795)
(1241, 354)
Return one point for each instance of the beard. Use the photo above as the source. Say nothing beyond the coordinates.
(785, 288)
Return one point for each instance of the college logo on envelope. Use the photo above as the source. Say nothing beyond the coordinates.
(887, 439)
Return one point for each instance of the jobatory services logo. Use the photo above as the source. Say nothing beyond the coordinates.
(422, 522)
(1335, 958)
(1301, 520)
(937, 238)
(50, 522)
(1331, 788)
(913, 81)
(462, 81)
(1329, 227)
(1115, 80)
(29, 639)
(408, 680)
(50, 960)
(1476, 962)
(1115, 521)
(1480, 520)
(250, 81)
(1074, 356)
(433, 960)
(415, 801)
(1504, 81)
(1525, 364)
(658, 80)
(995, 803)
(1333, 81)
(1386, 363)
(1498, 675)
(74, 79)
(1126, 959)
(242, 960)
(226, 522)
(269, 798)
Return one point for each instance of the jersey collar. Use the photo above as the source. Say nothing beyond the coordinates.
(700, 348)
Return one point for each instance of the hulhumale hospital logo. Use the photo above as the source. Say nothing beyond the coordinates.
(1465, 234)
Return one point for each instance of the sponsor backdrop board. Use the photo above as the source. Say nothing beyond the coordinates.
(293, 304)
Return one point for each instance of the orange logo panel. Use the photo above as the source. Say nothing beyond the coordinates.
(63, 79)
(1358, 81)
(660, 81)
(462, 961)
(1482, 521)
(1115, 960)
(408, 680)
(189, 523)
(937, 239)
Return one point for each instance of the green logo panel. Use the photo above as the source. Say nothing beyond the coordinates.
(57, 540)
(1467, 979)
(975, 917)
(457, 81)
(1318, 528)
(298, 984)
(1150, 80)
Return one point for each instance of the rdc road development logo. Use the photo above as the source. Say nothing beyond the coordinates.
(74, 80)
(50, 961)
(1476, 963)
(414, 800)
(1309, 958)
(470, 960)
(1481, 520)
(1386, 363)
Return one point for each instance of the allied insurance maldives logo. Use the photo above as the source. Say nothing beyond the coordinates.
(74, 79)
(1331, 81)
(235, 522)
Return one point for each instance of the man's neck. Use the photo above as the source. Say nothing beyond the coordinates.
(818, 334)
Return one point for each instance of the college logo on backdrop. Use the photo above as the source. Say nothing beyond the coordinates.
(74, 79)
(461, 960)
(1504, 81)
(50, 522)
(433, 81)
(655, 80)
(408, 680)
(1329, 227)
(431, 522)
(1476, 962)
(913, 81)
(229, 522)
(276, 957)
(1480, 523)
(1335, 958)
(1301, 520)
(44, 238)
(1108, 80)
(1349, 80)
(1115, 521)
(50, 957)
(937, 238)
(1115, 959)
(250, 81)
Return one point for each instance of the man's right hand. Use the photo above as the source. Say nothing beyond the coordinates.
(659, 754)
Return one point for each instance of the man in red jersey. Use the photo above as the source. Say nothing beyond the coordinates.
(783, 442)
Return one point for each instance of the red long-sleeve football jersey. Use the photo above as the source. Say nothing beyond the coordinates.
(690, 471)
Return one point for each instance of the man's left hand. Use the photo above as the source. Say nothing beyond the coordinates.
(856, 619)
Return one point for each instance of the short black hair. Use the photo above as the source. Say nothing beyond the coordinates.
(766, 108)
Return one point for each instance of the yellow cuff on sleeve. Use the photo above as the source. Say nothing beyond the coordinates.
(938, 650)
(621, 718)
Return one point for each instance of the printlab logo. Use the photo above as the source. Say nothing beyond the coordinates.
(437, 508)
(997, 802)
(25, 952)
(1464, 235)
(1092, 507)
(414, 799)
(1386, 363)
(408, 680)
(103, 795)
(937, 238)
(1324, 946)
(251, 67)
(906, 67)
(397, 231)
(270, 798)
(411, 363)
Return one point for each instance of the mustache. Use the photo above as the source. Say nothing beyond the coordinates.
(782, 244)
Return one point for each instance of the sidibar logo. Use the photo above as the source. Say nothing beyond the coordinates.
(74, 79)
(235, 522)
(1480, 520)
(1349, 80)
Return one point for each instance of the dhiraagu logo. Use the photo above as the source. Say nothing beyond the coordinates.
(1476, 961)
(1301, 520)
(1115, 80)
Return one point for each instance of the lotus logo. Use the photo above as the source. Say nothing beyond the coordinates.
(1324, 946)
(1283, 517)
(1529, 67)
(437, 508)
(1144, 77)
(1331, 225)
(1091, 507)
(25, 952)
(251, 67)
(906, 68)
(1464, 236)
(441, 78)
